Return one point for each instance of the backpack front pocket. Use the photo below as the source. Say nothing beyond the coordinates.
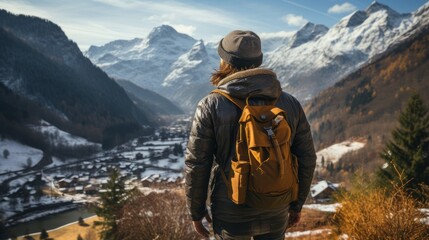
(239, 176)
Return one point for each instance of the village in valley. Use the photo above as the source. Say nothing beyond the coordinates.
(147, 161)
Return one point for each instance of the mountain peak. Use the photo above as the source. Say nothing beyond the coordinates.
(198, 51)
(376, 6)
(307, 33)
(307, 26)
(166, 32)
(356, 18)
(163, 31)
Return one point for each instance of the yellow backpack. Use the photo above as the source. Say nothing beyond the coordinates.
(264, 172)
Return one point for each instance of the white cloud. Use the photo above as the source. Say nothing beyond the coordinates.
(281, 34)
(186, 29)
(294, 20)
(162, 18)
(201, 14)
(342, 8)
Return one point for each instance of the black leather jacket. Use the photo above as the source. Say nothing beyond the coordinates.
(212, 144)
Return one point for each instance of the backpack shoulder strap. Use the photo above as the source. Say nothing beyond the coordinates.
(237, 102)
(240, 104)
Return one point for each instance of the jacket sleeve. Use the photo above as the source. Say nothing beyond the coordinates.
(199, 160)
(303, 148)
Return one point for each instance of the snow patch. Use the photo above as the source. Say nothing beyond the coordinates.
(57, 136)
(323, 207)
(18, 156)
(334, 152)
(307, 233)
(426, 219)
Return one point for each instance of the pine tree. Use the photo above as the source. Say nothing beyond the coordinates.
(6, 153)
(407, 154)
(112, 202)
(44, 234)
(323, 161)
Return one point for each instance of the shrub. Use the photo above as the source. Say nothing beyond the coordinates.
(91, 234)
(156, 216)
(374, 213)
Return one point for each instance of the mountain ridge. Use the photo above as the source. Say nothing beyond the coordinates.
(306, 61)
(367, 102)
(59, 77)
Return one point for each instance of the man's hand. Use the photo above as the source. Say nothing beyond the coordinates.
(199, 227)
(294, 218)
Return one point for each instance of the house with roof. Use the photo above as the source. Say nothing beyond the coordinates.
(65, 183)
(323, 191)
(91, 189)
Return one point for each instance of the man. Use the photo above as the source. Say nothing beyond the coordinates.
(212, 140)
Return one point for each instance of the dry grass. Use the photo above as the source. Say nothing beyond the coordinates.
(376, 214)
(156, 216)
(313, 219)
(70, 232)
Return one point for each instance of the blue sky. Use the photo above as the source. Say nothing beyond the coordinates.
(96, 22)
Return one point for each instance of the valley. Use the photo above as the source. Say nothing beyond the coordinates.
(69, 184)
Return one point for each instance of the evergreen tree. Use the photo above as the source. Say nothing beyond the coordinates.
(112, 202)
(407, 154)
(323, 161)
(44, 234)
(6, 153)
(3, 232)
(81, 222)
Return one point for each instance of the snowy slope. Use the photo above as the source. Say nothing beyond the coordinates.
(18, 156)
(317, 64)
(57, 136)
(272, 41)
(334, 152)
(308, 32)
(145, 62)
(192, 67)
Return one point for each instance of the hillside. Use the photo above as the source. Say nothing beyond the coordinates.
(367, 102)
(39, 64)
(148, 101)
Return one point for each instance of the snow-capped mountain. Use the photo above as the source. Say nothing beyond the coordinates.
(190, 72)
(272, 41)
(156, 62)
(306, 69)
(189, 67)
(306, 61)
(309, 32)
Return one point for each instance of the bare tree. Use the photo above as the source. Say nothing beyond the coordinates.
(6, 153)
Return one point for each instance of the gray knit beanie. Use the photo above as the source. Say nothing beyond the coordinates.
(241, 49)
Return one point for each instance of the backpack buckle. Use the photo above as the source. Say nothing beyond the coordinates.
(269, 131)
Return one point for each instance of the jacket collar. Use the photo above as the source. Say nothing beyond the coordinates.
(247, 73)
(258, 82)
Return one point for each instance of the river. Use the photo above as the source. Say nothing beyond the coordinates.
(50, 222)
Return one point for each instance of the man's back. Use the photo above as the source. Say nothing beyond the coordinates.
(212, 142)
